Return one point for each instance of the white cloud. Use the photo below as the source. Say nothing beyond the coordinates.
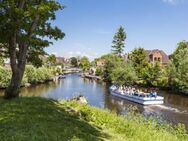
(90, 55)
(173, 1)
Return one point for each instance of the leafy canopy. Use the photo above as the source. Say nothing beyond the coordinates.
(139, 59)
(74, 61)
(179, 71)
(29, 22)
(85, 63)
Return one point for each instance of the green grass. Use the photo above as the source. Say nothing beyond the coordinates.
(38, 119)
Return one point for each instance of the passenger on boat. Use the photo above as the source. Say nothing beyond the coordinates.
(153, 94)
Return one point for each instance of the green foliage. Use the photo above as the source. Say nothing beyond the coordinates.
(176, 56)
(177, 69)
(74, 61)
(123, 74)
(38, 75)
(139, 59)
(99, 71)
(5, 76)
(180, 69)
(51, 60)
(32, 75)
(85, 124)
(84, 63)
(43, 74)
(58, 70)
(119, 41)
(117, 70)
(154, 75)
(26, 18)
(25, 24)
(30, 72)
(2, 63)
(172, 75)
(111, 61)
(35, 56)
(130, 127)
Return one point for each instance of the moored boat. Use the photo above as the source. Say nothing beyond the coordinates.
(136, 96)
(61, 77)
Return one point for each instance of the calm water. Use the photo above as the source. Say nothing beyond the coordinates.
(174, 110)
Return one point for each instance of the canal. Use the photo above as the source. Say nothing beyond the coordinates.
(174, 110)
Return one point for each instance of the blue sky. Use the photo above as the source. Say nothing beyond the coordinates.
(90, 25)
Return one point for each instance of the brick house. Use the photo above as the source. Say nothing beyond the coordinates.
(60, 60)
(157, 55)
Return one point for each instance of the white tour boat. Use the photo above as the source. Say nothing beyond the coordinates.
(141, 98)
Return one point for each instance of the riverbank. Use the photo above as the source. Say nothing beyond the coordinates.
(140, 85)
(42, 119)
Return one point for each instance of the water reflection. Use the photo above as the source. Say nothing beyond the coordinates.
(174, 110)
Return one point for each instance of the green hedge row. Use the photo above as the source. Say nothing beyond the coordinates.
(32, 75)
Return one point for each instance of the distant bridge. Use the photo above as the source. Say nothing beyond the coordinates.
(72, 70)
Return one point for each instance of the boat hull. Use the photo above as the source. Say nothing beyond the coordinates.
(141, 100)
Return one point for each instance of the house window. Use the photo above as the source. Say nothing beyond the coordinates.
(155, 59)
(159, 59)
(151, 57)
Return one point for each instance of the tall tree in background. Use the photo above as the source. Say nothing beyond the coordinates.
(118, 42)
(25, 23)
(74, 61)
(84, 63)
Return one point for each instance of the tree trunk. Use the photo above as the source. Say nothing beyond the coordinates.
(13, 89)
(18, 67)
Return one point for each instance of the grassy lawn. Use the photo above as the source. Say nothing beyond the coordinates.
(38, 119)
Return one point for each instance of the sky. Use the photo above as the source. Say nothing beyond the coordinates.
(90, 25)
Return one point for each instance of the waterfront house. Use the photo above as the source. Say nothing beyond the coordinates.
(60, 60)
(157, 55)
(100, 62)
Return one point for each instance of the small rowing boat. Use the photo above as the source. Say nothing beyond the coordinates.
(138, 97)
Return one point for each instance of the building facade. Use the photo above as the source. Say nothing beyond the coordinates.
(157, 55)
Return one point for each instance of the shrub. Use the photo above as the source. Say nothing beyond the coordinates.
(30, 73)
(98, 71)
(35, 75)
(5, 76)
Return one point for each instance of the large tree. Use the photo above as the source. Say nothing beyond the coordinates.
(123, 74)
(85, 63)
(118, 42)
(111, 62)
(139, 59)
(180, 67)
(25, 23)
(74, 61)
(176, 55)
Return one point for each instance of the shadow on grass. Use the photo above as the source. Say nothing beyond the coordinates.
(41, 119)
